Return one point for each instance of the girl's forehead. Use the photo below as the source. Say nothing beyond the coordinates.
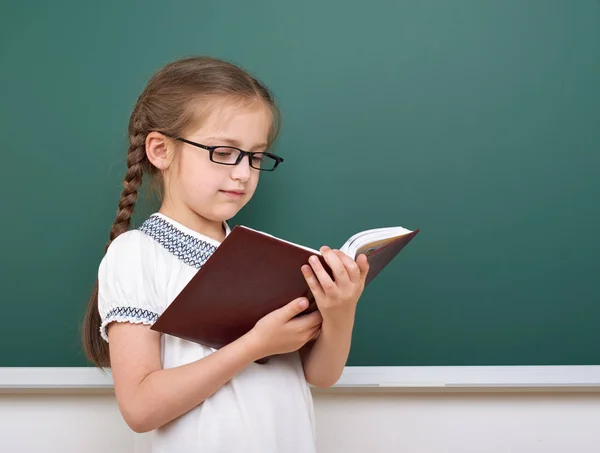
(237, 121)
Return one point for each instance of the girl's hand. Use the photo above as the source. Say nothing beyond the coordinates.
(281, 331)
(336, 298)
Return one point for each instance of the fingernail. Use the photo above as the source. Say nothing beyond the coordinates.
(304, 303)
(324, 248)
(313, 259)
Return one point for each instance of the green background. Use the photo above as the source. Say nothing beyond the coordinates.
(476, 121)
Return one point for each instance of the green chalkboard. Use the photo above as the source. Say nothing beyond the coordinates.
(476, 121)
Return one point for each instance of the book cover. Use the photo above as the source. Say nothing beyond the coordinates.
(248, 276)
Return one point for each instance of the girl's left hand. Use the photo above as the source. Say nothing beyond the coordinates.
(336, 298)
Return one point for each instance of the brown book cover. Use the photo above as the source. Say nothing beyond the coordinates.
(251, 274)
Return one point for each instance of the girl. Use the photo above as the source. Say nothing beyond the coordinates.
(202, 129)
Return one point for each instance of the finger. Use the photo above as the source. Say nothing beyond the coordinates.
(340, 275)
(312, 281)
(293, 308)
(314, 319)
(309, 321)
(314, 333)
(363, 265)
(351, 266)
(324, 279)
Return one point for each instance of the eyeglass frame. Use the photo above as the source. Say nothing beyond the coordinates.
(250, 154)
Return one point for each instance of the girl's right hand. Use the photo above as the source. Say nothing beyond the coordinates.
(281, 332)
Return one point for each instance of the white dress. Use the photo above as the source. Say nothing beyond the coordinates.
(265, 408)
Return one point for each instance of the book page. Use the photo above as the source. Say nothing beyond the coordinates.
(372, 238)
(372, 247)
(316, 252)
(366, 241)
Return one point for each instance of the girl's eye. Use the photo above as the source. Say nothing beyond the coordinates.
(223, 153)
(257, 158)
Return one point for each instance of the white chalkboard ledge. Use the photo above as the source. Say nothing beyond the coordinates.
(354, 379)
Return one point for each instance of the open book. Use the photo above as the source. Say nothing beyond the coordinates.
(253, 273)
(386, 241)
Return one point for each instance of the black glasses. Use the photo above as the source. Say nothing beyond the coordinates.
(230, 155)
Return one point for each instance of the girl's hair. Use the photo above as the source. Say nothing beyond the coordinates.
(175, 99)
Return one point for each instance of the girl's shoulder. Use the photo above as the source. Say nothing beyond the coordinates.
(132, 256)
(130, 245)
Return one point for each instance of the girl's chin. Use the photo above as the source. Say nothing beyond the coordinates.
(225, 213)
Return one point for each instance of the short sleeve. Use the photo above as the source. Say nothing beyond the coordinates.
(126, 289)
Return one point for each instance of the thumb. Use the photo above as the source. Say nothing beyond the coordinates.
(294, 308)
(363, 265)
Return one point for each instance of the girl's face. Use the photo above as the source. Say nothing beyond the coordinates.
(215, 192)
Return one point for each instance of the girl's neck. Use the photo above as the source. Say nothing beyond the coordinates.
(210, 228)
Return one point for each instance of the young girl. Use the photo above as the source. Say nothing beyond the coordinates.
(202, 129)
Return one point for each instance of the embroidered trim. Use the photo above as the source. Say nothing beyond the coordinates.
(127, 314)
(189, 249)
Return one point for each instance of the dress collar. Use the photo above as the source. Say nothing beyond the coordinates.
(189, 246)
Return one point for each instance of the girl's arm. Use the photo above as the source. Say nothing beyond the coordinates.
(336, 298)
(324, 359)
(149, 396)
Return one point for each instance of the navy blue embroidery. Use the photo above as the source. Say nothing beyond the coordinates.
(131, 314)
(189, 249)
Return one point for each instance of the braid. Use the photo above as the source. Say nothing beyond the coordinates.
(94, 346)
(136, 158)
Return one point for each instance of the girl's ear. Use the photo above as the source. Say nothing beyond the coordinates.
(159, 150)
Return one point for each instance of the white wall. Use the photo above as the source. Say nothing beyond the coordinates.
(348, 421)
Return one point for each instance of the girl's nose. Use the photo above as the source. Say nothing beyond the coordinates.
(241, 171)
